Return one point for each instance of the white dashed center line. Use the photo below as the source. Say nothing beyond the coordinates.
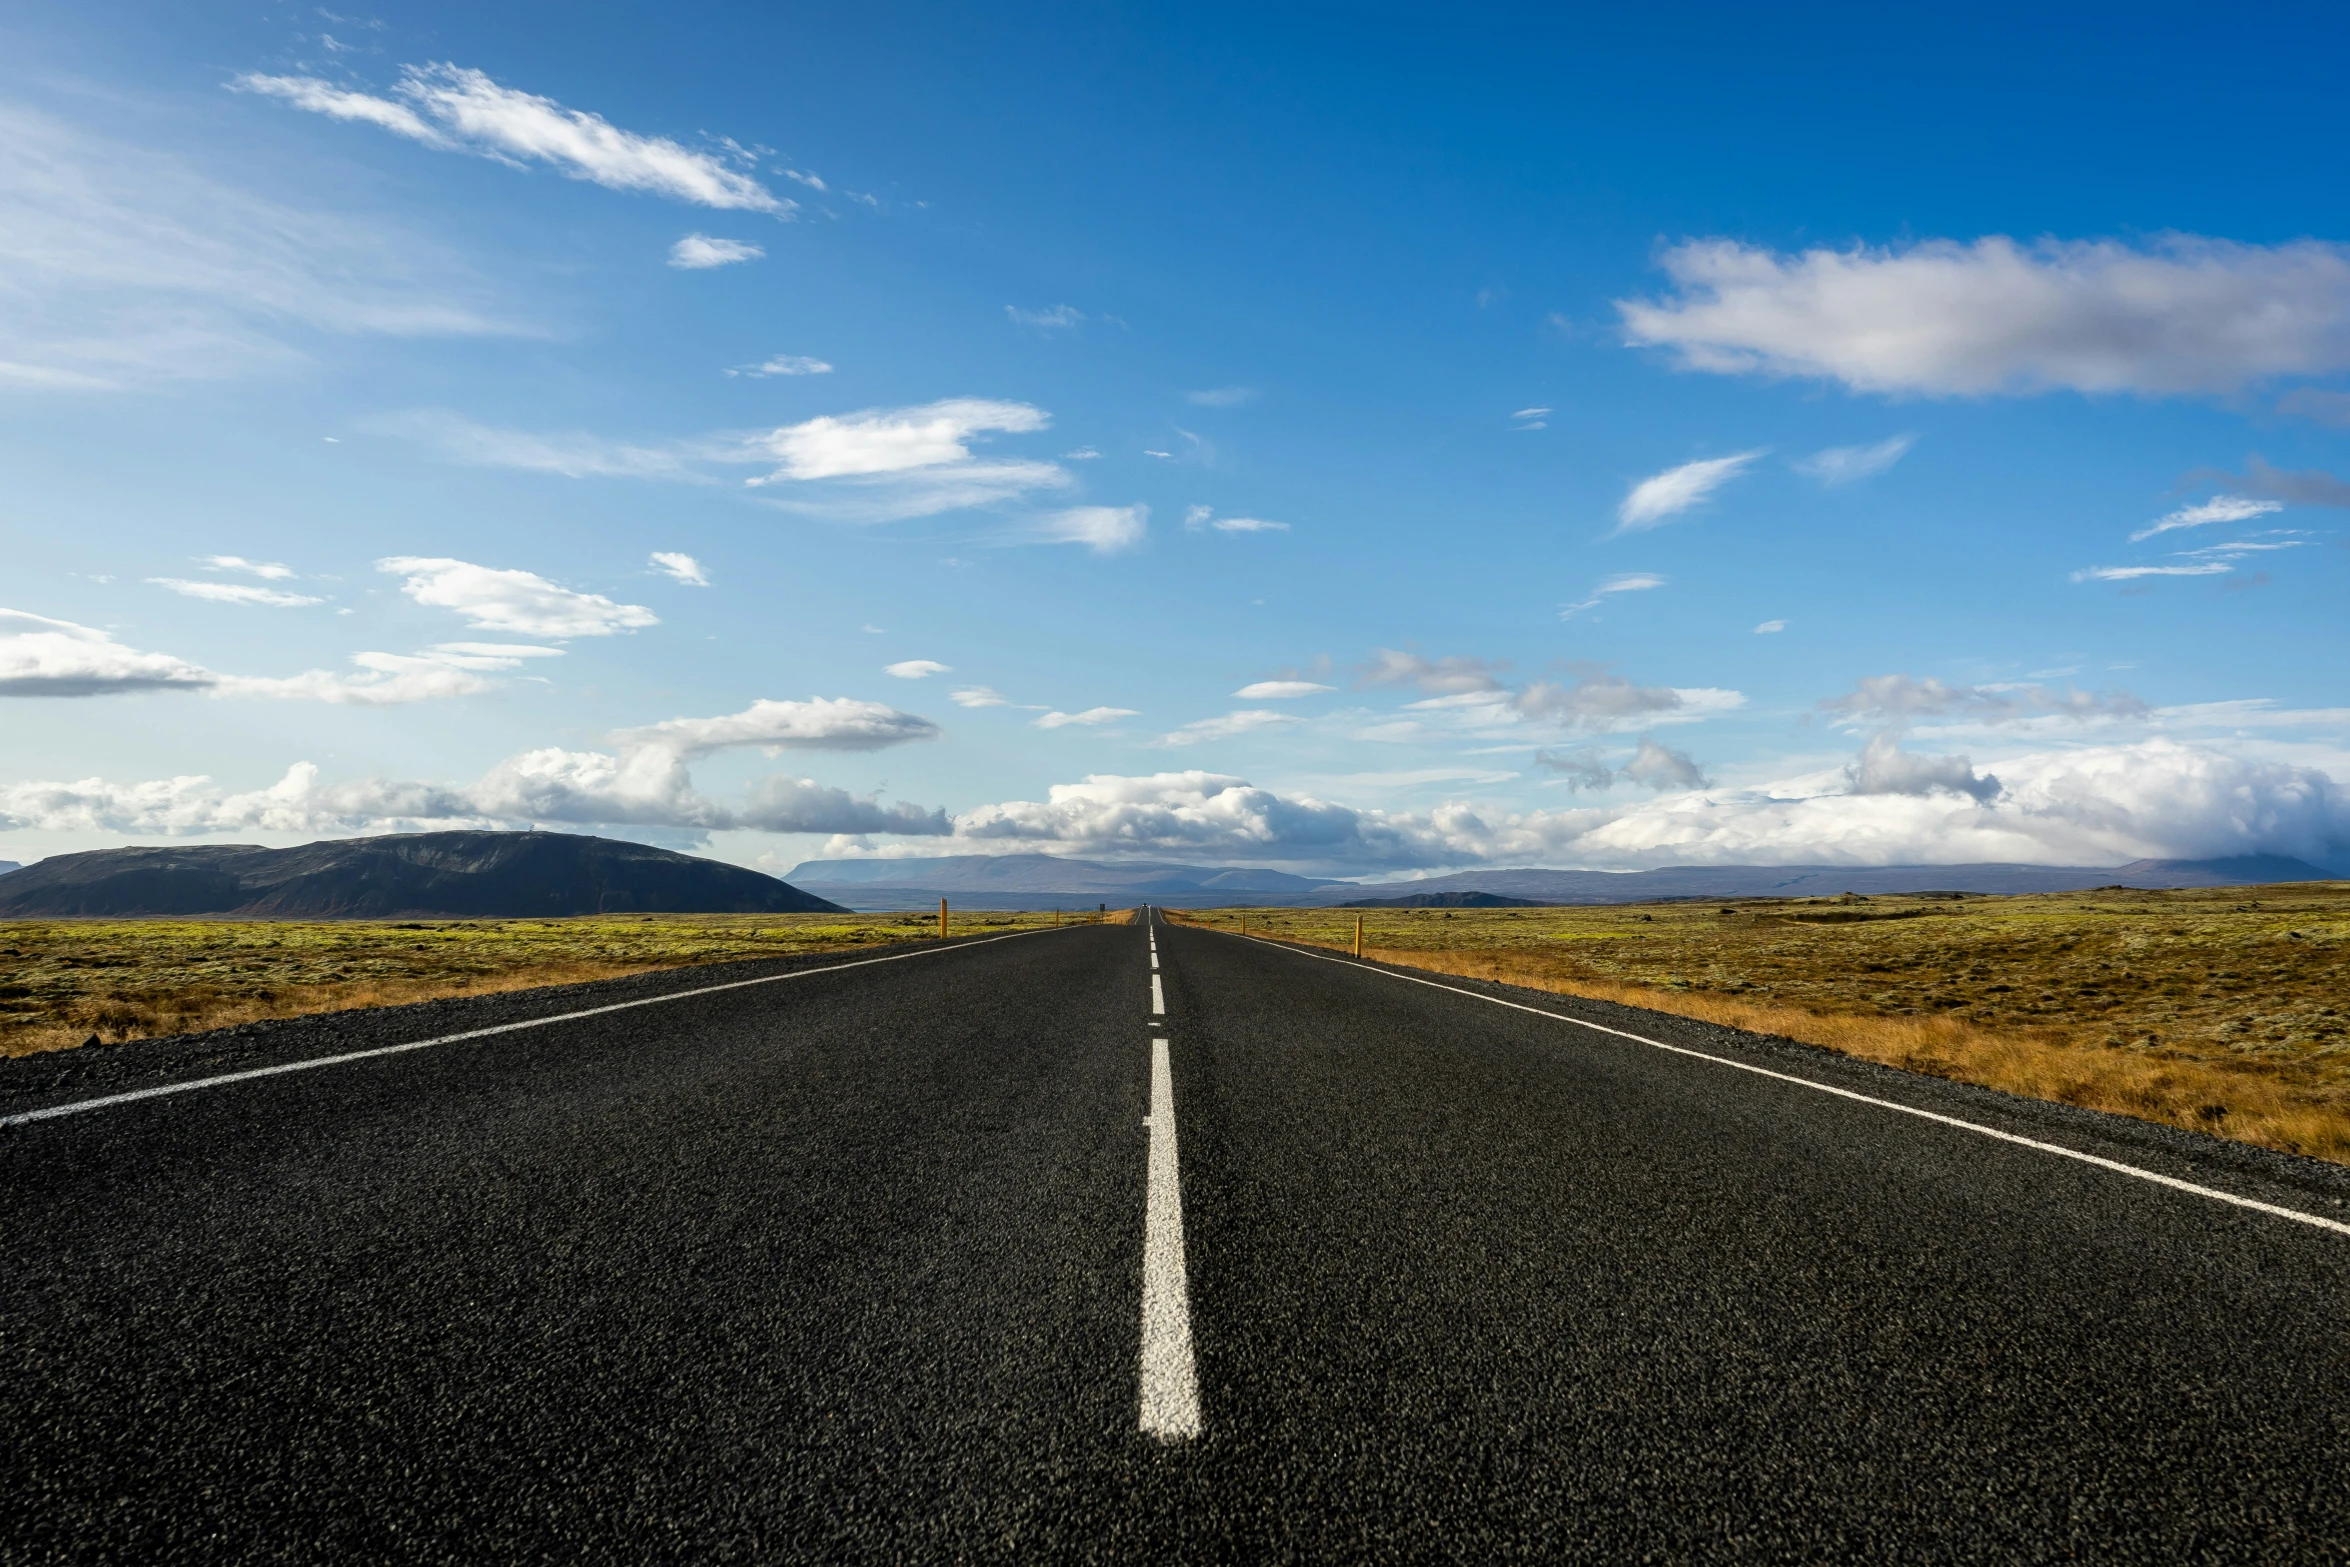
(1158, 998)
(1170, 1381)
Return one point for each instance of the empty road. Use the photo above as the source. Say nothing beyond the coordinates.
(1134, 1243)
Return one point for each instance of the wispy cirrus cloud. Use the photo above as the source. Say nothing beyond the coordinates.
(783, 364)
(454, 109)
(2213, 560)
(1840, 465)
(1281, 690)
(680, 568)
(1087, 719)
(122, 266)
(236, 593)
(2220, 508)
(1661, 497)
(1622, 582)
(1105, 530)
(1947, 318)
(1060, 318)
(1226, 726)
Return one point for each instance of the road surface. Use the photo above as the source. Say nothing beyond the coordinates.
(944, 1256)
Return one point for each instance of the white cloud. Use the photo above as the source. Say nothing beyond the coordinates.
(1658, 766)
(1248, 720)
(1770, 628)
(1222, 396)
(1942, 318)
(235, 593)
(519, 602)
(1248, 525)
(784, 364)
(917, 669)
(978, 696)
(44, 657)
(1897, 699)
(1103, 529)
(700, 252)
(1885, 768)
(454, 109)
(2212, 560)
(1849, 464)
(1091, 716)
(121, 266)
(1531, 419)
(1280, 690)
(818, 724)
(682, 568)
(1061, 318)
(266, 570)
(2220, 508)
(894, 440)
(1663, 496)
(1622, 582)
(1082, 454)
(573, 454)
(1452, 675)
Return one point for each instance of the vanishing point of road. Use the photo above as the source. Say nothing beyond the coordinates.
(1135, 1242)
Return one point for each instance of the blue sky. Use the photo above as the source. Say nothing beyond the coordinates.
(1355, 440)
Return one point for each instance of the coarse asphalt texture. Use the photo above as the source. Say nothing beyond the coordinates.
(847, 1266)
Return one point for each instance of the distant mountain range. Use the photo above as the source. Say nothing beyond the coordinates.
(443, 875)
(1040, 881)
(9, 865)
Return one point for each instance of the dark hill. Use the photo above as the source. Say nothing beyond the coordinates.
(1448, 900)
(433, 875)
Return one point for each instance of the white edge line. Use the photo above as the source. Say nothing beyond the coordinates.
(2115, 1165)
(1169, 1375)
(78, 1106)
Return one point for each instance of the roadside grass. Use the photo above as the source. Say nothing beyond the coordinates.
(63, 982)
(2221, 1010)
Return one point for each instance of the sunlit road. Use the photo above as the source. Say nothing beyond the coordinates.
(944, 1257)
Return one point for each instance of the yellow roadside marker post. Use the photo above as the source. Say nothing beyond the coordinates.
(942, 919)
(1358, 935)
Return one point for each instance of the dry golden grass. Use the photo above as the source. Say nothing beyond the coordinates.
(2219, 1010)
(64, 981)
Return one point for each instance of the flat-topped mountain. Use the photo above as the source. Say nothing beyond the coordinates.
(432, 875)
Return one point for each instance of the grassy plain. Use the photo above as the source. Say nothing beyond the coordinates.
(63, 982)
(2224, 1010)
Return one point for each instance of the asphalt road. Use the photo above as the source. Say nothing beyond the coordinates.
(873, 1263)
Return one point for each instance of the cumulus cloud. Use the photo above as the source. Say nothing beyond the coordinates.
(520, 602)
(883, 464)
(1091, 716)
(1187, 812)
(1885, 768)
(783, 364)
(1452, 675)
(680, 568)
(1658, 766)
(1622, 582)
(2220, 508)
(235, 593)
(700, 252)
(1662, 497)
(454, 109)
(44, 657)
(1280, 690)
(1103, 529)
(1597, 699)
(818, 724)
(1897, 699)
(916, 668)
(1226, 726)
(1943, 318)
(1850, 464)
(122, 267)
